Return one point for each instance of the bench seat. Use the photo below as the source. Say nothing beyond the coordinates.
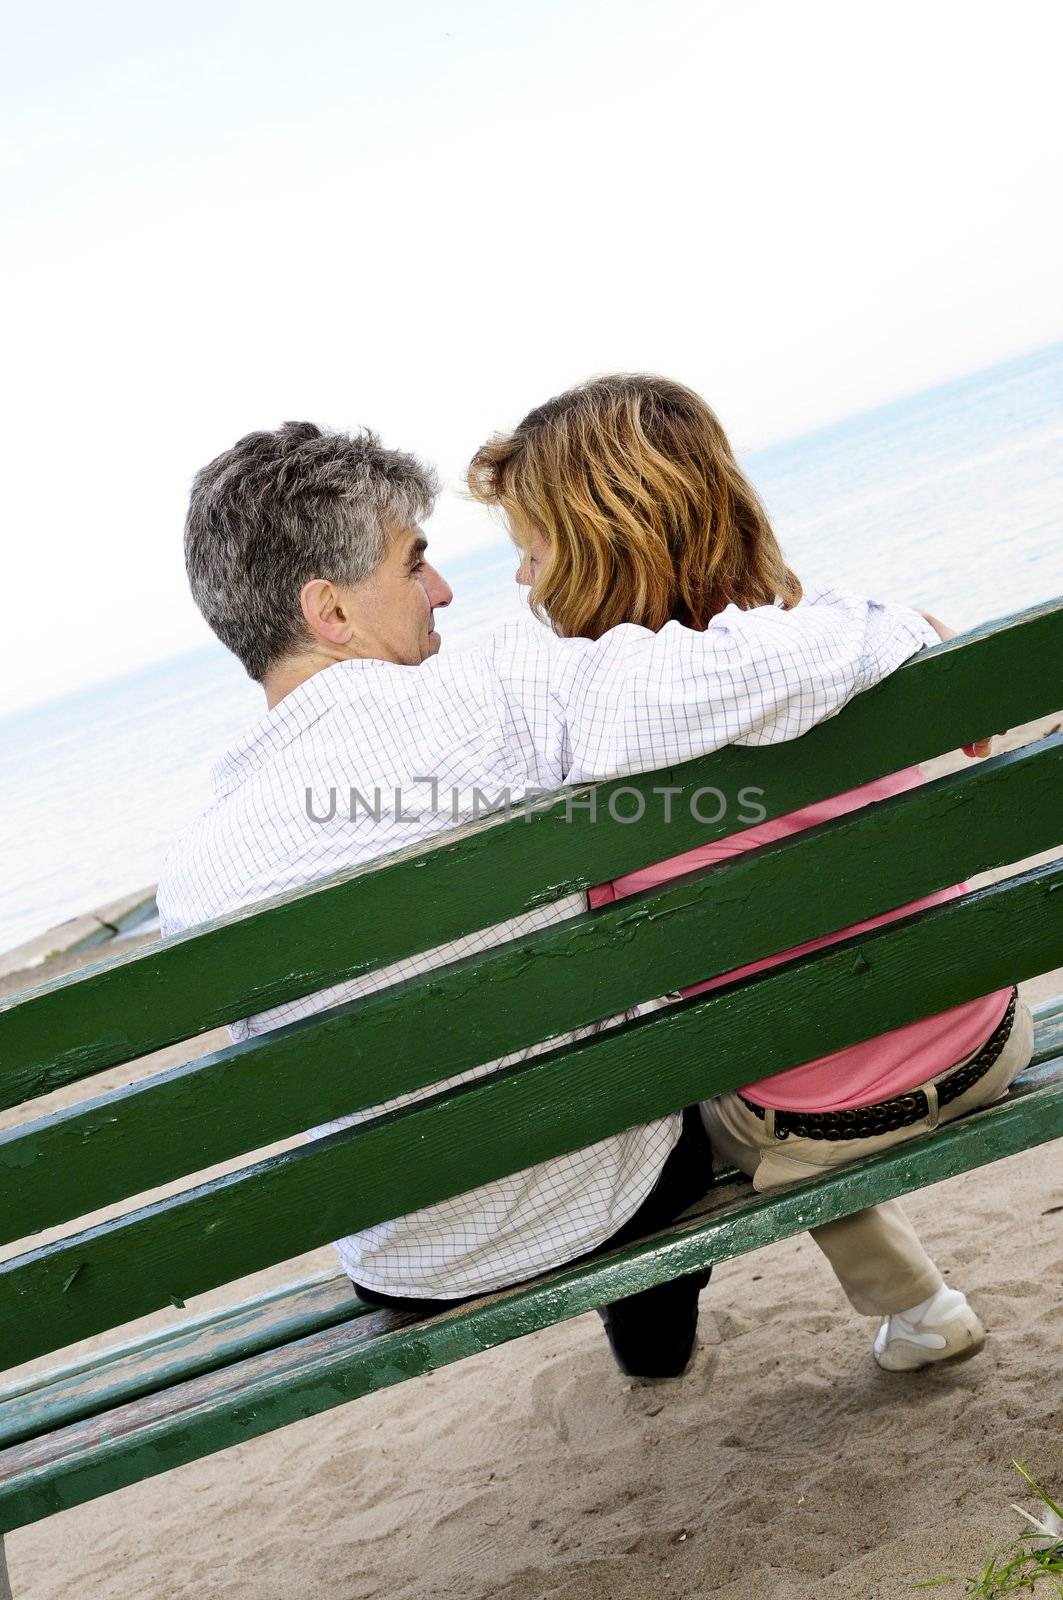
(214, 1381)
(208, 1153)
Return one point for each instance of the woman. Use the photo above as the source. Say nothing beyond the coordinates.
(628, 506)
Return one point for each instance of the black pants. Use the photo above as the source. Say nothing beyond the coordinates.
(651, 1333)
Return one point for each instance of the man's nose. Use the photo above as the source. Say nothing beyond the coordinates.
(439, 591)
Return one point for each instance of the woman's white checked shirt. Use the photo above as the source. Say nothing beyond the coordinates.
(528, 711)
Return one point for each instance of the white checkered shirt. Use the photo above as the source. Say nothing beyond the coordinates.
(527, 711)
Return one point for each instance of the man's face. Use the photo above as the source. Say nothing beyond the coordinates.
(394, 608)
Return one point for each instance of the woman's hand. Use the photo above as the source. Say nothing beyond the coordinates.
(980, 747)
(942, 629)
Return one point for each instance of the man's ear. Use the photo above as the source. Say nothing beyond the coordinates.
(327, 612)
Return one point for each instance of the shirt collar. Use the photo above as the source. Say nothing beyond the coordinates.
(289, 718)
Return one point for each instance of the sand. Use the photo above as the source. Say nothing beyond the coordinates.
(785, 1464)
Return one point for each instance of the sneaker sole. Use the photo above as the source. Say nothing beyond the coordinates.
(912, 1357)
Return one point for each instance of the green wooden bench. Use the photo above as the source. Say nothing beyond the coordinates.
(141, 1407)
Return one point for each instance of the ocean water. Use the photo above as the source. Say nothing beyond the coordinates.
(951, 500)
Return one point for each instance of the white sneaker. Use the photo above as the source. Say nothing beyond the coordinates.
(943, 1328)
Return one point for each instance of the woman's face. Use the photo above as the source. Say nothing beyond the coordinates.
(533, 560)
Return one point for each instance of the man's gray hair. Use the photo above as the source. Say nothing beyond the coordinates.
(281, 508)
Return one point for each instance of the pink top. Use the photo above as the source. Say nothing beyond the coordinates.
(863, 1073)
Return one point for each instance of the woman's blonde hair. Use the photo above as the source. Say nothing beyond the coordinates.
(645, 512)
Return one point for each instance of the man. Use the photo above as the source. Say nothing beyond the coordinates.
(306, 555)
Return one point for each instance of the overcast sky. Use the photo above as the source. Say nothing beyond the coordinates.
(429, 217)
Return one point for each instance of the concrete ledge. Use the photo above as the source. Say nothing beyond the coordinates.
(128, 912)
(81, 933)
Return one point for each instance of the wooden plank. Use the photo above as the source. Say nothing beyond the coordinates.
(248, 1096)
(1007, 672)
(277, 1208)
(217, 1338)
(1048, 1037)
(124, 1372)
(342, 1363)
(200, 1344)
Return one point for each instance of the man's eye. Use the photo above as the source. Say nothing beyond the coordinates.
(418, 566)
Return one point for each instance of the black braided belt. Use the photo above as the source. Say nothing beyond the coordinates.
(864, 1122)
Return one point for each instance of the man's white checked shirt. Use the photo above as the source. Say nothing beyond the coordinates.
(528, 711)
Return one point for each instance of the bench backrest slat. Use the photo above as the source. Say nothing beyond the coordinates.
(557, 1102)
(515, 996)
(1007, 672)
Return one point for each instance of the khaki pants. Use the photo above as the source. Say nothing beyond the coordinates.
(876, 1253)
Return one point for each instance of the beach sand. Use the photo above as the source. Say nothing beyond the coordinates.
(786, 1464)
